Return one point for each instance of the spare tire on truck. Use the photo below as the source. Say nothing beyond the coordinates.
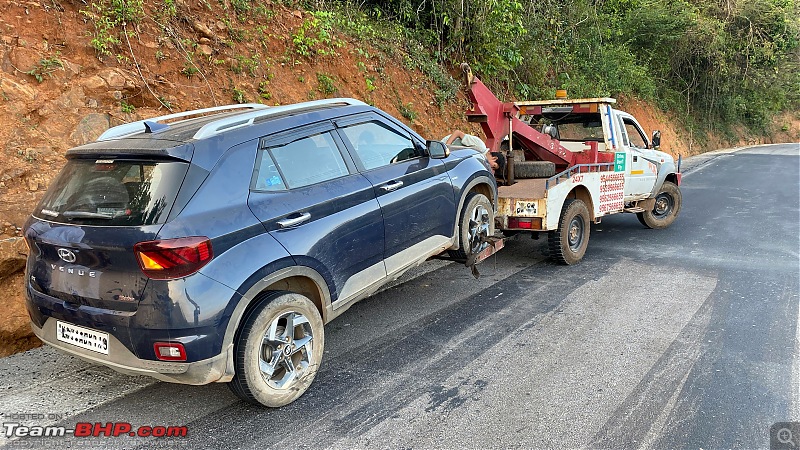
(534, 169)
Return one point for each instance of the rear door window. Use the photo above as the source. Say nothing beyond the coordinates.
(299, 163)
(113, 192)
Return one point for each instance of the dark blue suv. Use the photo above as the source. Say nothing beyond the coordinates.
(212, 245)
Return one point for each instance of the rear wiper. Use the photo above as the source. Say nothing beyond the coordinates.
(86, 215)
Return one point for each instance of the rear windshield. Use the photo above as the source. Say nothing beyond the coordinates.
(113, 192)
(587, 130)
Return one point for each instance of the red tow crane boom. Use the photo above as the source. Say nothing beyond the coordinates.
(499, 120)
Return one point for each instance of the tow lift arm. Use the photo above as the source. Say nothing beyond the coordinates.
(499, 120)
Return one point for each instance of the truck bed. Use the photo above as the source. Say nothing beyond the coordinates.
(529, 189)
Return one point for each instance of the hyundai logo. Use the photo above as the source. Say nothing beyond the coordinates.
(66, 255)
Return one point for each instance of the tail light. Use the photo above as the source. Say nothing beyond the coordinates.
(173, 258)
(534, 223)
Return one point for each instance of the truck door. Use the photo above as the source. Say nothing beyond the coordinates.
(640, 173)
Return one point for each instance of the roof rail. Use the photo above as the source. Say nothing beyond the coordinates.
(128, 129)
(245, 119)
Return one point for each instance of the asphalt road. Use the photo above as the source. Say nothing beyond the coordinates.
(680, 338)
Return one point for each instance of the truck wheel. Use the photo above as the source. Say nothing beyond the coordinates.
(568, 243)
(278, 350)
(476, 223)
(666, 209)
(534, 169)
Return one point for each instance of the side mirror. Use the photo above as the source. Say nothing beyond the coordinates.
(656, 141)
(437, 149)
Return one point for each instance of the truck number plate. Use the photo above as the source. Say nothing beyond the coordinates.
(526, 209)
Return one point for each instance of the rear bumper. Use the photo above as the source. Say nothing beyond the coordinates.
(216, 369)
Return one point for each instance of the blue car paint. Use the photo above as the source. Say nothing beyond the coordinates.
(354, 225)
(422, 207)
(342, 237)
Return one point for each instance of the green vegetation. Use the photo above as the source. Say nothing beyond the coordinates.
(126, 107)
(370, 82)
(189, 70)
(263, 90)
(46, 66)
(325, 84)
(238, 95)
(407, 111)
(241, 7)
(316, 36)
(106, 16)
(244, 64)
(718, 64)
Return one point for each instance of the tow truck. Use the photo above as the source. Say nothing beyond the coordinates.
(570, 162)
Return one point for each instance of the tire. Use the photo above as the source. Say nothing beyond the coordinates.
(534, 169)
(265, 343)
(568, 243)
(666, 208)
(476, 221)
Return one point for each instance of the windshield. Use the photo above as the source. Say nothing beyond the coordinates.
(112, 192)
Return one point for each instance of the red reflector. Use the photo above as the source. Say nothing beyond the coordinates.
(532, 223)
(514, 222)
(173, 258)
(170, 351)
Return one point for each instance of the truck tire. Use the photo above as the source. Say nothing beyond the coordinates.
(666, 209)
(534, 169)
(568, 243)
(278, 350)
(476, 222)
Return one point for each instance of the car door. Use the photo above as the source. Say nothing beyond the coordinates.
(309, 196)
(640, 173)
(414, 191)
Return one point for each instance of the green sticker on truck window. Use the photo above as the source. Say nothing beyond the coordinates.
(619, 162)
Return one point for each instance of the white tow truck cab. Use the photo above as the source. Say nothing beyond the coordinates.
(571, 162)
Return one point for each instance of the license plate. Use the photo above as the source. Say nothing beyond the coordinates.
(526, 208)
(93, 340)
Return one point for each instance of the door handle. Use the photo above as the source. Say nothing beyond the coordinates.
(392, 185)
(292, 221)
